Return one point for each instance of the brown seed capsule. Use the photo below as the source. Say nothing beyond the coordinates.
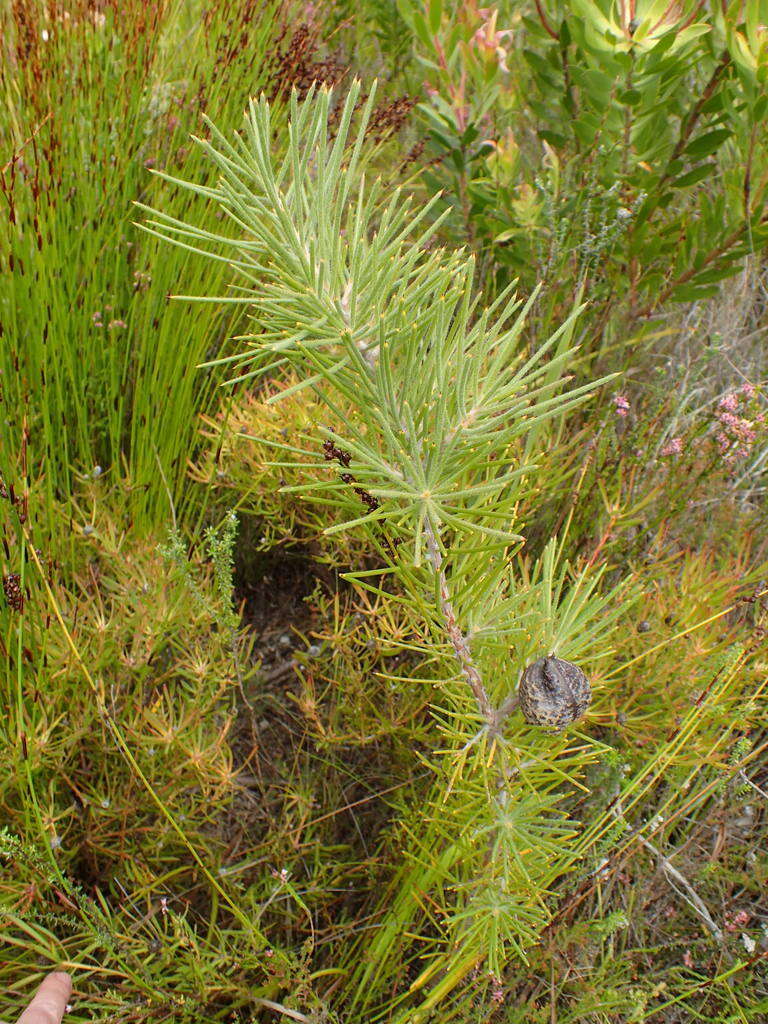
(12, 590)
(553, 693)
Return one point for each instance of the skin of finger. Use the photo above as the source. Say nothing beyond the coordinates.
(50, 1000)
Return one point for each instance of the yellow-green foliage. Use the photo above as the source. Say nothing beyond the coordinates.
(253, 453)
(136, 651)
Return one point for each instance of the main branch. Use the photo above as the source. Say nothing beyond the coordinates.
(459, 642)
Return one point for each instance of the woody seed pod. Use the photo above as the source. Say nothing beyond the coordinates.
(553, 693)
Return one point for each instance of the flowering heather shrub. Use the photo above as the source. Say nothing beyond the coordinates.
(738, 432)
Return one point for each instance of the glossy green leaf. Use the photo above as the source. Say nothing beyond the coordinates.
(705, 145)
(694, 176)
(630, 97)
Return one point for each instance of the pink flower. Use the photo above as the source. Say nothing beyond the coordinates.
(745, 431)
(737, 920)
(729, 402)
(673, 447)
(497, 990)
(621, 402)
(737, 433)
(734, 922)
(687, 958)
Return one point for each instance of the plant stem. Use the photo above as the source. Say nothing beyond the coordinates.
(683, 278)
(459, 642)
(673, 875)
(544, 21)
(690, 122)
